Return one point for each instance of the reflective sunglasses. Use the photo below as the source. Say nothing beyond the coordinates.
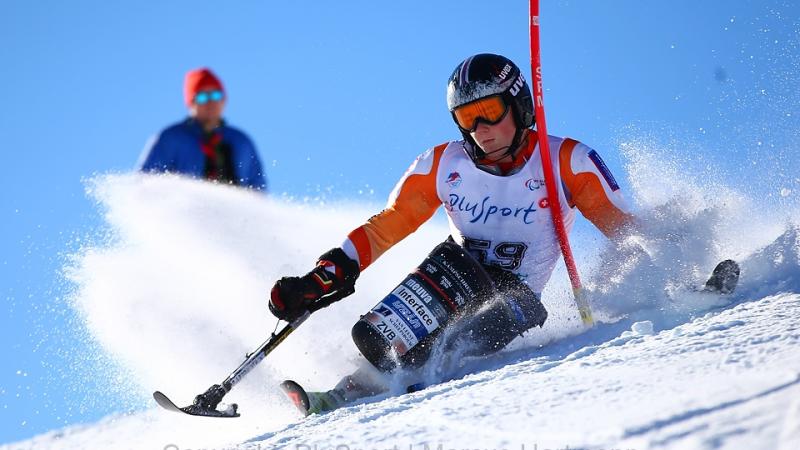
(490, 110)
(203, 97)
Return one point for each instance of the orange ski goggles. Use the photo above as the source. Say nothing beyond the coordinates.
(490, 110)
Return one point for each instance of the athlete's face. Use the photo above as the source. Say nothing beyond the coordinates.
(495, 139)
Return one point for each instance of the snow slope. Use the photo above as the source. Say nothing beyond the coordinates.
(728, 379)
(173, 297)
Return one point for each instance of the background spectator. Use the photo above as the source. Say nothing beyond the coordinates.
(204, 145)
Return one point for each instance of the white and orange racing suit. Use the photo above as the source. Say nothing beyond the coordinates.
(504, 221)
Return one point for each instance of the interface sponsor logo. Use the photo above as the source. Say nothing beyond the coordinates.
(418, 306)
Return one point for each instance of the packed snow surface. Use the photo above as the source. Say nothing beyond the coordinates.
(174, 295)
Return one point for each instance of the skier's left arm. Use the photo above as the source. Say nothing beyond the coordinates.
(590, 186)
(413, 201)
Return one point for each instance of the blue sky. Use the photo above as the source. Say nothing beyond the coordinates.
(339, 98)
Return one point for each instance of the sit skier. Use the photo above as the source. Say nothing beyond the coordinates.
(490, 273)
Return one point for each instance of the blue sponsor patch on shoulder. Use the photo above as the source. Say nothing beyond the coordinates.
(601, 166)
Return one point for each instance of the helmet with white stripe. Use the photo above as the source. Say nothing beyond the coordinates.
(486, 74)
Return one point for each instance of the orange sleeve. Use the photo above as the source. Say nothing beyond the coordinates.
(413, 201)
(593, 189)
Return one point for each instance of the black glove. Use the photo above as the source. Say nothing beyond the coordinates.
(335, 274)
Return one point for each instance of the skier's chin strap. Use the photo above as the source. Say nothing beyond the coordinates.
(478, 155)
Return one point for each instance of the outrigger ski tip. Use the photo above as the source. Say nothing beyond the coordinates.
(206, 403)
(194, 409)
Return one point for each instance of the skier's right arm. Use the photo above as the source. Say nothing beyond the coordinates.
(413, 201)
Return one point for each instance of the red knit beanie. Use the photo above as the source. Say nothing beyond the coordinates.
(197, 80)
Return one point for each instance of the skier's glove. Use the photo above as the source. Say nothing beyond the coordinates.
(334, 274)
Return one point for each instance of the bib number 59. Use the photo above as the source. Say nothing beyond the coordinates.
(507, 255)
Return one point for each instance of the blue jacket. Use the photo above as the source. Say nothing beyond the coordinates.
(178, 149)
